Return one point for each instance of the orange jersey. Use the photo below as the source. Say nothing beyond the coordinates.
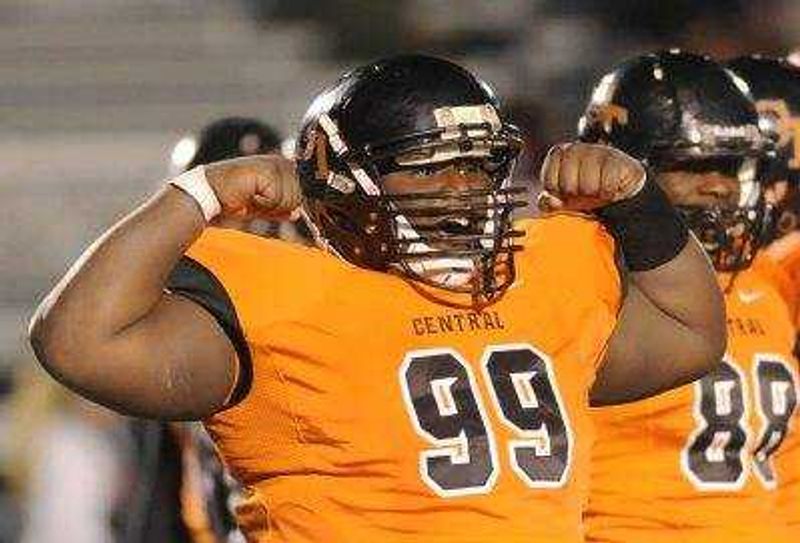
(785, 252)
(700, 463)
(377, 413)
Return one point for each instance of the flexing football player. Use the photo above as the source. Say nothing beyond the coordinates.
(423, 377)
(775, 86)
(697, 463)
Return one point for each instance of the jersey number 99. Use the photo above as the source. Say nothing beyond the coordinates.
(445, 407)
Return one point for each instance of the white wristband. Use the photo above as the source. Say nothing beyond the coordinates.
(195, 184)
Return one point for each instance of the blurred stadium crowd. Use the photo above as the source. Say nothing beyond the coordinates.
(96, 93)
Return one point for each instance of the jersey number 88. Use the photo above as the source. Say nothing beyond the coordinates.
(715, 457)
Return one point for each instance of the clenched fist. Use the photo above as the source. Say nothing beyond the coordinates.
(585, 176)
(263, 186)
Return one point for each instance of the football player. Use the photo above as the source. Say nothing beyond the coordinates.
(697, 463)
(423, 377)
(775, 86)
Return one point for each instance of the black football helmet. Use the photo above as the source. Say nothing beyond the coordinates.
(677, 111)
(775, 87)
(225, 138)
(414, 114)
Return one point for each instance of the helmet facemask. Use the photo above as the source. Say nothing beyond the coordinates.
(460, 238)
(730, 235)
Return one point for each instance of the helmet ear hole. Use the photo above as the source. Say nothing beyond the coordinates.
(343, 221)
(353, 235)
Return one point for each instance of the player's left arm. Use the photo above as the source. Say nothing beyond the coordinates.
(671, 330)
(671, 327)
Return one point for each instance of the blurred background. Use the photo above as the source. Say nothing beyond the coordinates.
(94, 94)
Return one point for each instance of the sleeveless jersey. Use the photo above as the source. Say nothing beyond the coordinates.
(369, 409)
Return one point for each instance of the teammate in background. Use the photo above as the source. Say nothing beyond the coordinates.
(225, 138)
(182, 492)
(231, 137)
(775, 86)
(698, 463)
(426, 376)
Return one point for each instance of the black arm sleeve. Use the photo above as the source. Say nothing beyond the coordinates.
(192, 280)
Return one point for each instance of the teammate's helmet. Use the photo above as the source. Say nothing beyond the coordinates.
(225, 138)
(775, 87)
(414, 114)
(679, 111)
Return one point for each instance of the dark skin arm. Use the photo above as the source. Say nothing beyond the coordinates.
(671, 331)
(108, 329)
(671, 327)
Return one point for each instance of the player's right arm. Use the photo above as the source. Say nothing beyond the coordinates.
(110, 331)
